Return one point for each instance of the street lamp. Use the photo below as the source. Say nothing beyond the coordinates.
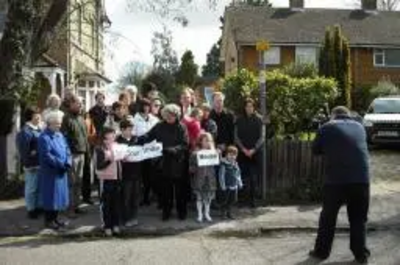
(263, 46)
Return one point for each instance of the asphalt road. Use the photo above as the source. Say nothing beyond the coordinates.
(282, 249)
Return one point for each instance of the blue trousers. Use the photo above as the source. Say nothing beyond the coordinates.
(32, 200)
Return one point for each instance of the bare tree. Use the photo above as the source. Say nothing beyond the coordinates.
(389, 5)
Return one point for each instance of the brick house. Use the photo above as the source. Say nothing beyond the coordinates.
(296, 33)
(75, 61)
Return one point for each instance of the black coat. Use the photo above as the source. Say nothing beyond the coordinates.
(225, 123)
(175, 142)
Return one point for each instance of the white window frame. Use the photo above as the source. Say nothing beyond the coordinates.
(273, 56)
(379, 52)
(307, 51)
(382, 52)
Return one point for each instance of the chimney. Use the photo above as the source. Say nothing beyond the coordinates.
(296, 4)
(369, 5)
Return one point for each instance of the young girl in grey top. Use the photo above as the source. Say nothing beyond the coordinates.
(204, 181)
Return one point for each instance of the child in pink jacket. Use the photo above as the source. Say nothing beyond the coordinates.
(108, 171)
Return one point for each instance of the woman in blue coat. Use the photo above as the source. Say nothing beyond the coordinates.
(55, 162)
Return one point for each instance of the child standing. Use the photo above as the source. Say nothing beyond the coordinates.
(204, 183)
(130, 177)
(108, 172)
(230, 180)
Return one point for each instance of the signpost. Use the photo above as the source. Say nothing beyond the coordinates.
(263, 46)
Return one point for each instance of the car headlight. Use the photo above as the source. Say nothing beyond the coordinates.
(368, 123)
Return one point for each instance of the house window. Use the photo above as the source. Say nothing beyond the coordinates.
(272, 56)
(306, 55)
(387, 57)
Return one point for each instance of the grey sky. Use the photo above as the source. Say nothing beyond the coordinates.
(202, 32)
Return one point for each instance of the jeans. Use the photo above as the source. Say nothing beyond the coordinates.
(131, 195)
(251, 175)
(356, 198)
(75, 177)
(110, 203)
(229, 200)
(31, 189)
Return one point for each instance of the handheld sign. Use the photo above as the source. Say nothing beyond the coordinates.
(207, 158)
(137, 153)
(120, 151)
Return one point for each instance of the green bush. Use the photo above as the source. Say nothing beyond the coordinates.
(384, 88)
(301, 70)
(239, 86)
(291, 102)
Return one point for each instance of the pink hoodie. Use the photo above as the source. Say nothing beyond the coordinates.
(194, 130)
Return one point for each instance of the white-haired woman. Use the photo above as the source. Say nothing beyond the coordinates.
(172, 180)
(53, 104)
(55, 162)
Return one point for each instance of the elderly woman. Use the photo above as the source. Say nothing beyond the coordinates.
(172, 182)
(55, 162)
(53, 103)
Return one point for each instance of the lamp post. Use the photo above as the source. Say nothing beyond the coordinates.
(263, 46)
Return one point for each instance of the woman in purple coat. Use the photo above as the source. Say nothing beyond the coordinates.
(55, 162)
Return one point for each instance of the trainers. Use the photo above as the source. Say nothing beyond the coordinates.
(116, 230)
(108, 232)
(199, 219)
(132, 223)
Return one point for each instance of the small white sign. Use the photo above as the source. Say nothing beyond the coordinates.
(137, 153)
(207, 158)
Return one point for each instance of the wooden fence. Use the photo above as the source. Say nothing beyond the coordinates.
(294, 174)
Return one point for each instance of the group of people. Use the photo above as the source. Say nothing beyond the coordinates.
(62, 147)
(60, 153)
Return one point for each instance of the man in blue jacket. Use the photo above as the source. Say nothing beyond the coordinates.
(343, 143)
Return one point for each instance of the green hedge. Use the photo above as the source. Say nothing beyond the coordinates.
(291, 102)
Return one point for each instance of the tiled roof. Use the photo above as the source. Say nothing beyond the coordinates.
(282, 25)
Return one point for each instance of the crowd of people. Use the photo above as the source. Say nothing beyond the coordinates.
(62, 148)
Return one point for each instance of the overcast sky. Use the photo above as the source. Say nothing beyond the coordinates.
(136, 29)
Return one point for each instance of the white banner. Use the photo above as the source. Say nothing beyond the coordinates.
(207, 158)
(137, 153)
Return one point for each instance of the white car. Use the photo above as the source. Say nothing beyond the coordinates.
(382, 120)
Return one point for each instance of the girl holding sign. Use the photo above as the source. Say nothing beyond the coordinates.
(204, 183)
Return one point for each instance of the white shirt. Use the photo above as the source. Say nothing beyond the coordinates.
(141, 125)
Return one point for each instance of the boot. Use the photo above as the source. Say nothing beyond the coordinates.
(199, 206)
(207, 216)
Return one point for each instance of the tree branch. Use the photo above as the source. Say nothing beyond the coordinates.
(42, 40)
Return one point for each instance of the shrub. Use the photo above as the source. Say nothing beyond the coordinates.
(291, 102)
(384, 88)
(301, 70)
(237, 87)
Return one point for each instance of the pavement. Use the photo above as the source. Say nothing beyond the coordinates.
(384, 215)
(192, 249)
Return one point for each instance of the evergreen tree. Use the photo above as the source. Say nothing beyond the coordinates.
(187, 72)
(212, 68)
(335, 62)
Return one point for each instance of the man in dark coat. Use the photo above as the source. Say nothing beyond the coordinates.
(225, 122)
(99, 113)
(74, 129)
(343, 143)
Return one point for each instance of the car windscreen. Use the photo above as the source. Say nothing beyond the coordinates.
(385, 106)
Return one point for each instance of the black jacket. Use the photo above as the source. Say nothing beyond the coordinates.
(175, 142)
(343, 143)
(130, 170)
(74, 129)
(249, 132)
(225, 123)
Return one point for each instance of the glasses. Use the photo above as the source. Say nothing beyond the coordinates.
(157, 105)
